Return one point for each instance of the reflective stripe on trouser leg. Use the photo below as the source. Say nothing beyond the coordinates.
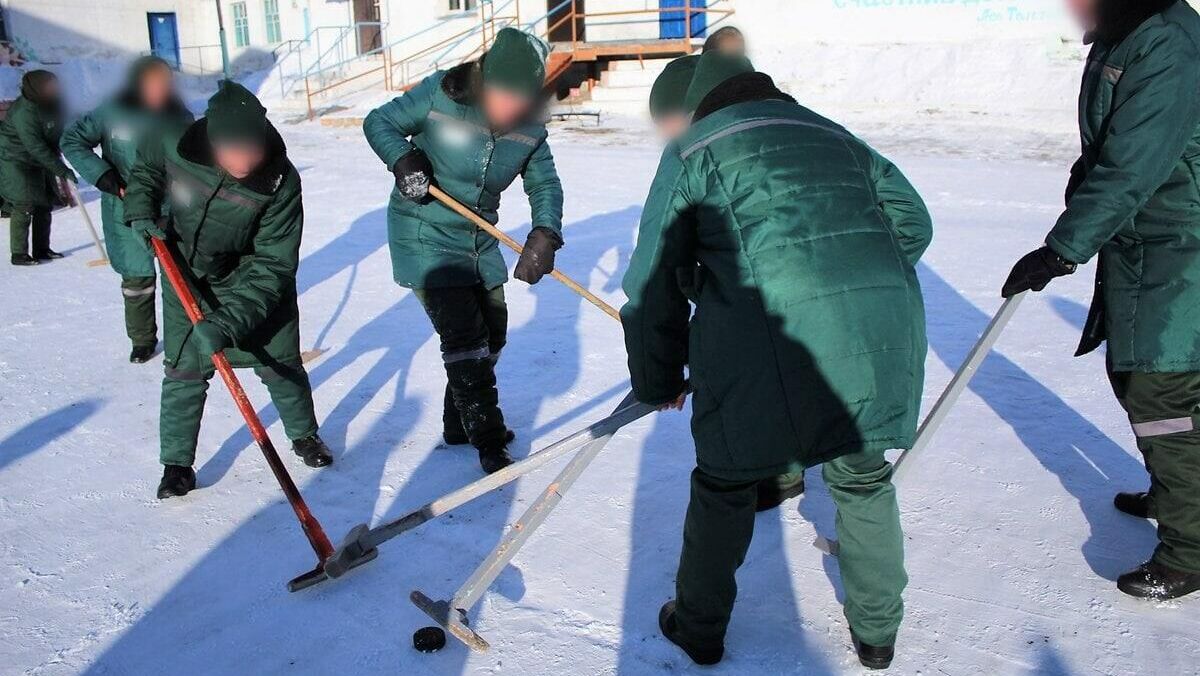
(716, 535)
(140, 324)
(291, 393)
(871, 544)
(1157, 428)
(182, 407)
(1162, 410)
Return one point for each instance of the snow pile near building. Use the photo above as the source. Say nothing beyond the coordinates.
(88, 81)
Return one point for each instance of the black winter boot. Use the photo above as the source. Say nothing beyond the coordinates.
(1152, 580)
(176, 482)
(313, 451)
(140, 354)
(495, 458)
(47, 255)
(1134, 504)
(873, 656)
(666, 623)
(23, 259)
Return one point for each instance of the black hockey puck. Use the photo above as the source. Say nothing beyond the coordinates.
(429, 639)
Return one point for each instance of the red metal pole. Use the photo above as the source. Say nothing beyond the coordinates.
(312, 528)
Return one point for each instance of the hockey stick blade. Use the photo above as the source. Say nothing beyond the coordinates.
(309, 355)
(354, 551)
(826, 545)
(453, 621)
(97, 263)
(318, 575)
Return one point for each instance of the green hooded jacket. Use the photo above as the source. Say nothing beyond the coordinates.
(29, 152)
(238, 240)
(797, 244)
(1135, 192)
(117, 127)
(432, 246)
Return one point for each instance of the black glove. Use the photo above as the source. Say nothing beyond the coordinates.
(110, 183)
(1035, 270)
(414, 174)
(537, 258)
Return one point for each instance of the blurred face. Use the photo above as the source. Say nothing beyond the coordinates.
(671, 127)
(50, 90)
(238, 160)
(155, 87)
(1084, 12)
(504, 109)
(733, 44)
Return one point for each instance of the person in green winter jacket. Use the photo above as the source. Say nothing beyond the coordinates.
(668, 110)
(797, 244)
(146, 107)
(224, 195)
(1134, 200)
(30, 164)
(471, 131)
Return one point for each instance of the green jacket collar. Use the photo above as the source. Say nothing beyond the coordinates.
(195, 148)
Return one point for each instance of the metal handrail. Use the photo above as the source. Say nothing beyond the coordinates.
(447, 46)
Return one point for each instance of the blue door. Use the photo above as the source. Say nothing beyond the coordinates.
(670, 23)
(164, 37)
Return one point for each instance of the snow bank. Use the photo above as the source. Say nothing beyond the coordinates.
(88, 81)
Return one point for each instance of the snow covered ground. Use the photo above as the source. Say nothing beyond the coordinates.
(1013, 545)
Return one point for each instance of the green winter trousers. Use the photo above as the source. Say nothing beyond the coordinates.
(140, 323)
(24, 219)
(185, 389)
(1164, 411)
(720, 524)
(472, 325)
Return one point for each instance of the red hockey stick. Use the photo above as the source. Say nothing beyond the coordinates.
(312, 528)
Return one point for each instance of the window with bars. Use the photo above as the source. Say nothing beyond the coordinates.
(463, 5)
(241, 25)
(271, 9)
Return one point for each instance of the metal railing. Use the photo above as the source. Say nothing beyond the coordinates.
(401, 73)
(200, 60)
(325, 52)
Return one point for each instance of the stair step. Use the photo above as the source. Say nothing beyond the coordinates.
(641, 94)
(655, 65)
(629, 78)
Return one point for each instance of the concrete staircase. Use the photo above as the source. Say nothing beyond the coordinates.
(624, 88)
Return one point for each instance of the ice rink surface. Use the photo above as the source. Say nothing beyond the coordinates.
(1012, 542)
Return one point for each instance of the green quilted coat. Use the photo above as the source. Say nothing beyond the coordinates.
(1137, 200)
(29, 158)
(238, 239)
(797, 244)
(432, 246)
(116, 128)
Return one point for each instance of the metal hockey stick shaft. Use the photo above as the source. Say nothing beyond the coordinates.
(937, 415)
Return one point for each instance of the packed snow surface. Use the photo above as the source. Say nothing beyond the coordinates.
(1012, 542)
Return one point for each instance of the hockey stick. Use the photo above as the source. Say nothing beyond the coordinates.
(361, 543)
(312, 528)
(950, 395)
(87, 219)
(451, 614)
(458, 208)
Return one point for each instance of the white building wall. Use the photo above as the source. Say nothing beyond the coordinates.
(54, 30)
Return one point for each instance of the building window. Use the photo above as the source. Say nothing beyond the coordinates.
(463, 5)
(271, 7)
(241, 25)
